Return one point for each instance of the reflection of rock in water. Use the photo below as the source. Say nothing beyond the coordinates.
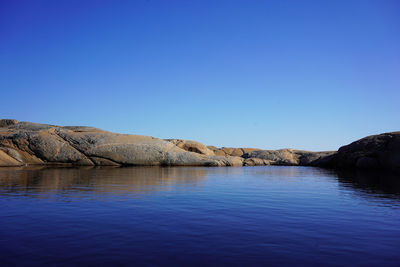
(101, 180)
(144, 180)
(378, 183)
(292, 171)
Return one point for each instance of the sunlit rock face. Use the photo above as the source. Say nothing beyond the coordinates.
(26, 143)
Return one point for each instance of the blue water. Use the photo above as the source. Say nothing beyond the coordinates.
(191, 216)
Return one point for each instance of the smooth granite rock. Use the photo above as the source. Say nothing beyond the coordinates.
(26, 143)
(32, 143)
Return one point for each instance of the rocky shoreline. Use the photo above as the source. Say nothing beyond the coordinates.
(26, 143)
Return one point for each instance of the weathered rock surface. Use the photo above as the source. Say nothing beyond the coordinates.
(23, 143)
(228, 160)
(257, 162)
(192, 146)
(7, 160)
(7, 122)
(30, 143)
(372, 152)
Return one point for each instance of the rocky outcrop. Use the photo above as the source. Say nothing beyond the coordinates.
(24, 143)
(290, 156)
(6, 122)
(372, 152)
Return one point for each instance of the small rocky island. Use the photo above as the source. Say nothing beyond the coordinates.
(26, 143)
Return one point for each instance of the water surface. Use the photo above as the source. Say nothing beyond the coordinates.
(195, 216)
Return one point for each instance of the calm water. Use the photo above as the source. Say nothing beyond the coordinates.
(198, 216)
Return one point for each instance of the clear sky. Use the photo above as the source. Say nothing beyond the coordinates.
(268, 74)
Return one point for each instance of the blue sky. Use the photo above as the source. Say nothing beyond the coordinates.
(269, 74)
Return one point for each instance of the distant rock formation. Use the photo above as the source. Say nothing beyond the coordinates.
(231, 151)
(26, 143)
(290, 156)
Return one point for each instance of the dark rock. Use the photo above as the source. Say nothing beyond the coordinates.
(372, 152)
